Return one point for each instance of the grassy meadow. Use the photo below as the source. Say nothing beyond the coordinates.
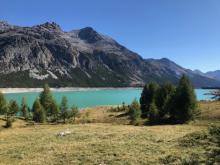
(103, 136)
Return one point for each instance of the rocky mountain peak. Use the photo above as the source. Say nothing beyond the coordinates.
(89, 34)
(50, 26)
(4, 25)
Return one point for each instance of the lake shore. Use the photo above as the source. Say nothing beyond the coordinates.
(63, 89)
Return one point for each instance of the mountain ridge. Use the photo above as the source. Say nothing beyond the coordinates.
(31, 56)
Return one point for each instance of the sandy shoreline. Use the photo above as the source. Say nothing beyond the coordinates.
(23, 90)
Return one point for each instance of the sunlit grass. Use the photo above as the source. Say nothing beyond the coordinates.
(108, 139)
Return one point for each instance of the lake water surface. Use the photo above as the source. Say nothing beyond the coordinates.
(95, 97)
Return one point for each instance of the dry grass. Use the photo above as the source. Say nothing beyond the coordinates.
(106, 142)
(104, 114)
(210, 110)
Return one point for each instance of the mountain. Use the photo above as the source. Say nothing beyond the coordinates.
(214, 74)
(31, 56)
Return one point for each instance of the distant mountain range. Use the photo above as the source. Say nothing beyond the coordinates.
(211, 74)
(31, 56)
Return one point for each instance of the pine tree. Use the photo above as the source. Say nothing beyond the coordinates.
(134, 111)
(24, 108)
(164, 95)
(13, 108)
(153, 114)
(2, 104)
(46, 99)
(38, 112)
(74, 112)
(148, 97)
(64, 109)
(10, 111)
(185, 103)
(55, 110)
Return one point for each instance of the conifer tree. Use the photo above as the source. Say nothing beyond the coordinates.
(55, 110)
(164, 95)
(13, 108)
(185, 103)
(74, 112)
(24, 108)
(46, 99)
(10, 111)
(64, 109)
(39, 115)
(148, 97)
(2, 104)
(153, 114)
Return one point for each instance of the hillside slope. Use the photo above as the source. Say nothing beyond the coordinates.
(30, 56)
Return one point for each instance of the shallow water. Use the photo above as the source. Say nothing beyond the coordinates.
(92, 98)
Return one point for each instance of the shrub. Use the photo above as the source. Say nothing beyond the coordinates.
(8, 123)
(134, 111)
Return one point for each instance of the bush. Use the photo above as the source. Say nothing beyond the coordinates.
(134, 112)
(8, 123)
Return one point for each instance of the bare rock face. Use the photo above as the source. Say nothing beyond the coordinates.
(30, 56)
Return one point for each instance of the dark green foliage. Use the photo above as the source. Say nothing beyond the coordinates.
(46, 100)
(10, 111)
(24, 108)
(74, 112)
(154, 116)
(64, 109)
(54, 111)
(39, 115)
(185, 103)
(2, 103)
(134, 111)
(164, 98)
(148, 96)
(169, 104)
(13, 108)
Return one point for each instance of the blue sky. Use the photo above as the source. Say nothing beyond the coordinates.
(185, 31)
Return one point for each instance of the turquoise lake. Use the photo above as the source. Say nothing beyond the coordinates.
(92, 98)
